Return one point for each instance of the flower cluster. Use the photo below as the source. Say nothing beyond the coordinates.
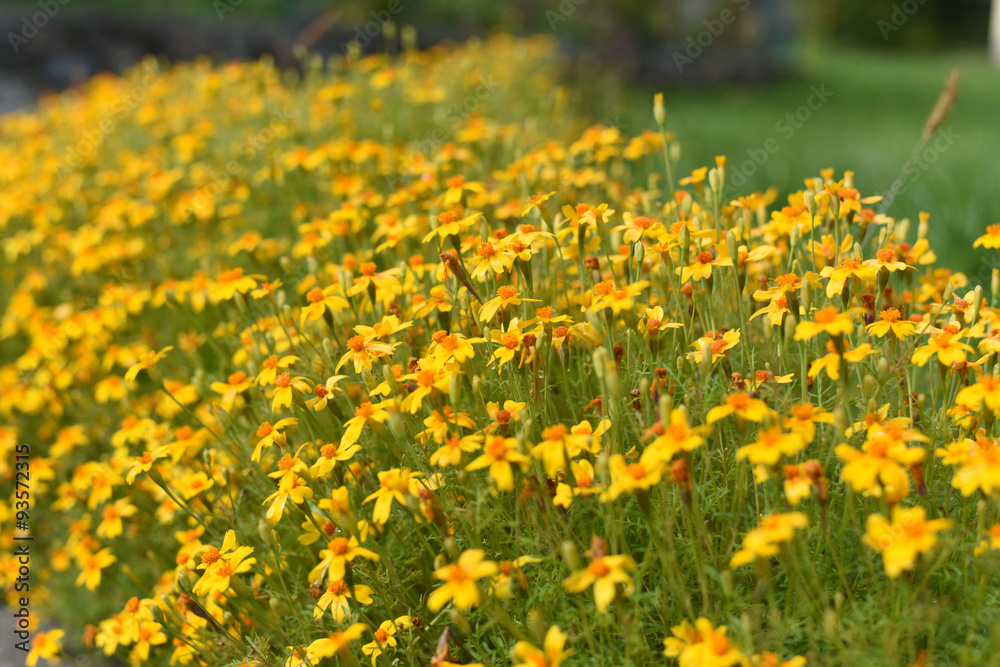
(391, 362)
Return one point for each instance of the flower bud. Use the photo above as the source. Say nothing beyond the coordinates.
(184, 581)
(569, 554)
(868, 385)
(537, 625)
(157, 613)
(659, 111)
(810, 203)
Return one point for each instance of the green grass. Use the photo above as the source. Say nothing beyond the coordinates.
(870, 125)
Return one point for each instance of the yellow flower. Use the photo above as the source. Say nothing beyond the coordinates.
(977, 463)
(498, 454)
(627, 478)
(46, 645)
(430, 377)
(991, 239)
(111, 525)
(551, 654)
(770, 446)
(236, 384)
(321, 301)
(291, 487)
(394, 485)
(270, 368)
(719, 346)
(333, 560)
(506, 296)
(990, 542)
(490, 258)
(604, 573)
(831, 361)
(460, 581)
(335, 599)
(827, 320)
(889, 321)
(949, 351)
(906, 537)
(847, 269)
(336, 642)
(362, 352)
(677, 437)
(704, 645)
(91, 565)
(284, 390)
(984, 392)
(742, 405)
(879, 466)
(701, 266)
(270, 435)
(804, 418)
(384, 637)
(764, 541)
(148, 360)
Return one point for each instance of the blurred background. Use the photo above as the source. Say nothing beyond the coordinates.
(784, 88)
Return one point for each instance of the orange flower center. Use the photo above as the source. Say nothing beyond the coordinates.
(604, 288)
(356, 343)
(557, 432)
(264, 430)
(271, 362)
(636, 471)
(315, 295)
(506, 292)
(826, 315)
(211, 556)
(889, 315)
(510, 340)
(599, 568)
(885, 255)
(368, 269)
(283, 380)
(497, 449)
(704, 257)
(339, 546)
(338, 587)
(787, 280)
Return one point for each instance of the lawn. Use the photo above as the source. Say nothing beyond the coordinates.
(876, 108)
